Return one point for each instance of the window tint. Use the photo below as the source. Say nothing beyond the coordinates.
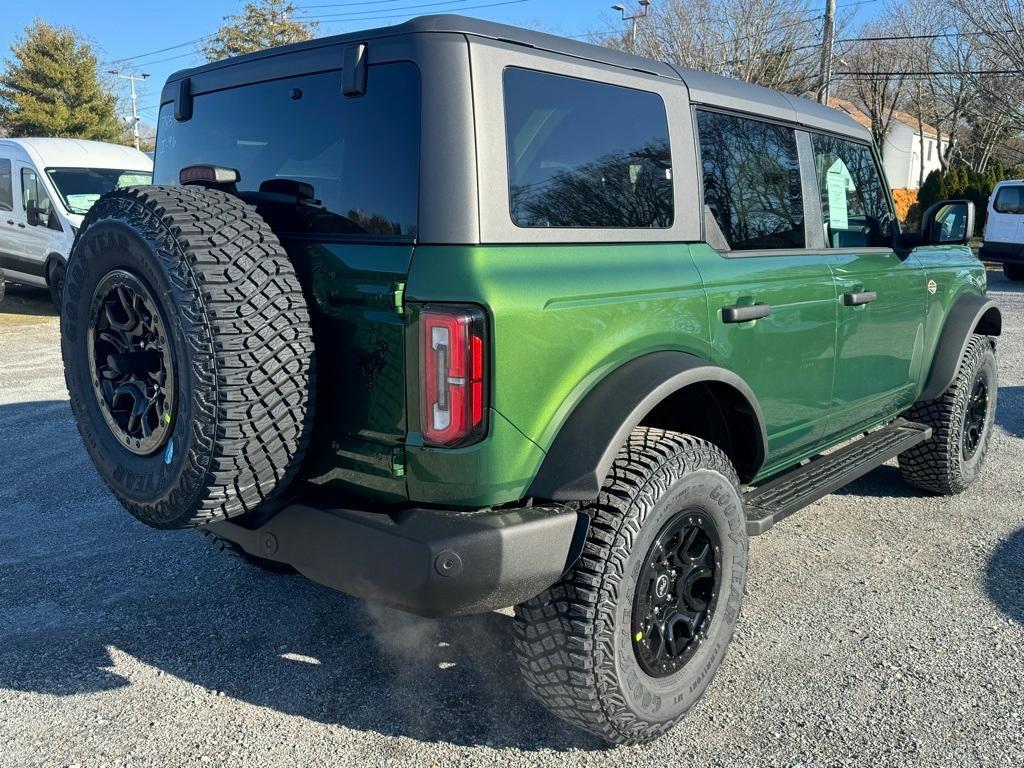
(855, 205)
(585, 154)
(751, 182)
(352, 163)
(6, 189)
(1010, 199)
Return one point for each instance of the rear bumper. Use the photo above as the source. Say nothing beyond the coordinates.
(425, 561)
(1012, 253)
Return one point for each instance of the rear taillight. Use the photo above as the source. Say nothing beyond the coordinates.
(453, 374)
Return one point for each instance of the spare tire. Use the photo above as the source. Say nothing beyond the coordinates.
(188, 354)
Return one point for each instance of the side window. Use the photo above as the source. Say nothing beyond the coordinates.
(855, 205)
(1010, 199)
(752, 187)
(6, 188)
(585, 154)
(32, 191)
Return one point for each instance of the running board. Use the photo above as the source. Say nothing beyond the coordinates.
(781, 497)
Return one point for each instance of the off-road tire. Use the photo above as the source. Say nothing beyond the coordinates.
(938, 465)
(574, 641)
(1014, 272)
(56, 277)
(242, 344)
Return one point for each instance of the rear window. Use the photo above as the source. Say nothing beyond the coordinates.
(358, 156)
(1010, 199)
(585, 154)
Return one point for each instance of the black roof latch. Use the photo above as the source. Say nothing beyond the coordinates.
(353, 72)
(183, 101)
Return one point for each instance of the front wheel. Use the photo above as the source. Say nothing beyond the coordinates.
(961, 420)
(631, 636)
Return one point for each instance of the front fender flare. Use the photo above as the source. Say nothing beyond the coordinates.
(971, 313)
(582, 454)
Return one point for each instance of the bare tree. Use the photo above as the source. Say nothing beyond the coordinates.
(767, 42)
(875, 77)
(995, 117)
(1000, 23)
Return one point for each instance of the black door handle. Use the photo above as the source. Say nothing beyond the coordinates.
(858, 298)
(11, 222)
(738, 314)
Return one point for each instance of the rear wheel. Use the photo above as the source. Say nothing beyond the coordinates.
(1014, 272)
(961, 420)
(629, 639)
(188, 354)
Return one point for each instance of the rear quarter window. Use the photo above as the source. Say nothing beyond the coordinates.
(359, 155)
(585, 154)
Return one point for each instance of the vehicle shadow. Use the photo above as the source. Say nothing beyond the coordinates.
(1010, 410)
(884, 482)
(83, 585)
(1004, 575)
(27, 300)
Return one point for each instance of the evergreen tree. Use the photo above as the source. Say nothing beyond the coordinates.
(261, 24)
(50, 87)
(933, 190)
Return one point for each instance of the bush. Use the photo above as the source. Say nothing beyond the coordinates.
(961, 183)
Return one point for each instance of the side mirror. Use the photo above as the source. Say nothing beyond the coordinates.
(950, 222)
(32, 213)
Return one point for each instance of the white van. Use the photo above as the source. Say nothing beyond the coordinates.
(46, 186)
(1004, 230)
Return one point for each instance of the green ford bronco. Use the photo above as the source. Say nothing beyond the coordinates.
(457, 316)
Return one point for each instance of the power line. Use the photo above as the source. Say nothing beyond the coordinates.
(169, 58)
(357, 5)
(932, 73)
(159, 50)
(347, 16)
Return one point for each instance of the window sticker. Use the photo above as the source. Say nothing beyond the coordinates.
(838, 181)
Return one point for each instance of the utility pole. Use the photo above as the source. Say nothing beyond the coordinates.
(828, 37)
(131, 78)
(645, 7)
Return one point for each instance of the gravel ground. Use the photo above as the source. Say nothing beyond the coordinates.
(880, 628)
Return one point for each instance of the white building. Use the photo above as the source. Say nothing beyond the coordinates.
(904, 146)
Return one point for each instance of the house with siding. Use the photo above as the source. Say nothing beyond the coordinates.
(905, 144)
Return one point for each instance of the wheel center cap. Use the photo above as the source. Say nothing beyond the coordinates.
(661, 586)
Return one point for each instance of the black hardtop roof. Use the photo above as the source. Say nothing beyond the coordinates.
(704, 87)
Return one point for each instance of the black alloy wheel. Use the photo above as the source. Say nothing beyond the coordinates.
(131, 363)
(975, 416)
(676, 593)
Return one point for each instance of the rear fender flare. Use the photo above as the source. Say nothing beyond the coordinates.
(583, 451)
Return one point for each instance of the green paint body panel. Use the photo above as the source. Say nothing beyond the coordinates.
(561, 317)
(361, 378)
